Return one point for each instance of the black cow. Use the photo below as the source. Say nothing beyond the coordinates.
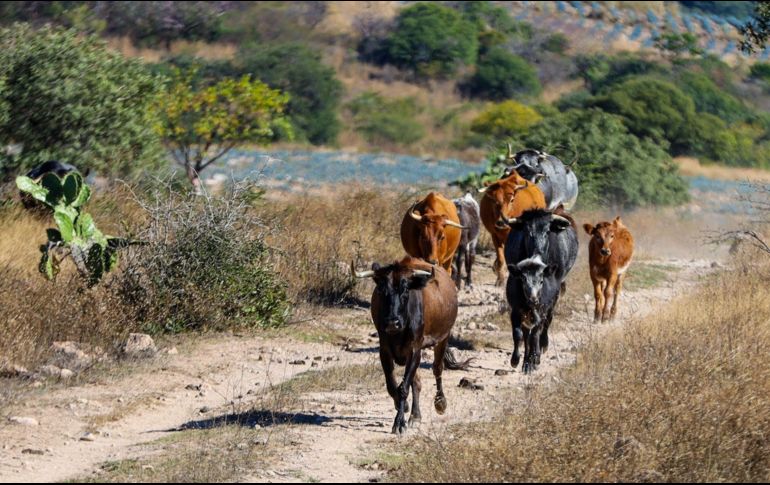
(470, 219)
(557, 181)
(414, 306)
(541, 250)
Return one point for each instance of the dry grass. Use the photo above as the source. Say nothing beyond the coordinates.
(317, 238)
(679, 396)
(692, 167)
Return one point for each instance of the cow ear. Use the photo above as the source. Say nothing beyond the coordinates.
(617, 221)
(588, 228)
(419, 281)
(376, 266)
(514, 270)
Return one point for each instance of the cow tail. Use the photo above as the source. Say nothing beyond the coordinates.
(450, 361)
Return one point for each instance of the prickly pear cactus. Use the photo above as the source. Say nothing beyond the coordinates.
(76, 235)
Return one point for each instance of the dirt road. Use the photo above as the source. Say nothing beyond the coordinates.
(337, 433)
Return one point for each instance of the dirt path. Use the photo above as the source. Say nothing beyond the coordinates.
(219, 375)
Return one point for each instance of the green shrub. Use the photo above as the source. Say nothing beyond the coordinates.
(601, 71)
(710, 98)
(652, 108)
(68, 97)
(556, 43)
(381, 120)
(506, 119)
(431, 40)
(205, 266)
(501, 75)
(761, 71)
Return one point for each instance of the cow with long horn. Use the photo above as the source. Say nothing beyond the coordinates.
(431, 230)
(507, 198)
(557, 180)
(414, 306)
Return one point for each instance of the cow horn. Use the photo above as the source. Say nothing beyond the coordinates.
(360, 274)
(560, 218)
(519, 187)
(510, 152)
(512, 220)
(538, 177)
(483, 189)
(419, 272)
(454, 224)
(416, 216)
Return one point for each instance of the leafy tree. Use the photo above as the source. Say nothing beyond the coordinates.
(313, 88)
(68, 97)
(761, 71)
(757, 30)
(710, 98)
(201, 125)
(382, 120)
(431, 40)
(152, 22)
(507, 119)
(601, 71)
(502, 75)
(652, 108)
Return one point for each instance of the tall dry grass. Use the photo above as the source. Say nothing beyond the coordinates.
(679, 396)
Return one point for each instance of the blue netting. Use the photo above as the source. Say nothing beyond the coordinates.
(637, 32)
(653, 19)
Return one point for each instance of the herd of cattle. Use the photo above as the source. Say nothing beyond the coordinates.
(414, 303)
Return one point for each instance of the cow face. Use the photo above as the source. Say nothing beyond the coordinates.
(503, 193)
(399, 295)
(532, 272)
(603, 234)
(432, 235)
(538, 229)
(528, 164)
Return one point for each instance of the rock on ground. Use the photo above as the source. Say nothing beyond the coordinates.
(139, 345)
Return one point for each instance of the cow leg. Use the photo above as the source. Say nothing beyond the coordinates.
(517, 336)
(534, 343)
(412, 364)
(618, 288)
(525, 367)
(546, 326)
(499, 265)
(599, 299)
(416, 416)
(388, 367)
(457, 276)
(469, 258)
(438, 367)
(609, 296)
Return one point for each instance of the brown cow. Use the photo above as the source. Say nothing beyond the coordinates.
(414, 306)
(424, 232)
(507, 198)
(609, 255)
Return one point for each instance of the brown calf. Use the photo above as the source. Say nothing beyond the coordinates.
(431, 230)
(609, 255)
(507, 198)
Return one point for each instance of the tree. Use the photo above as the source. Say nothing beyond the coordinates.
(381, 120)
(312, 86)
(68, 97)
(201, 125)
(501, 75)
(507, 119)
(652, 108)
(431, 40)
(757, 30)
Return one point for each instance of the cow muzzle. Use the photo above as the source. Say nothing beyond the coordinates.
(606, 252)
(393, 326)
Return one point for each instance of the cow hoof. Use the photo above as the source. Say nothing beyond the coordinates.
(515, 359)
(440, 403)
(399, 426)
(414, 421)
